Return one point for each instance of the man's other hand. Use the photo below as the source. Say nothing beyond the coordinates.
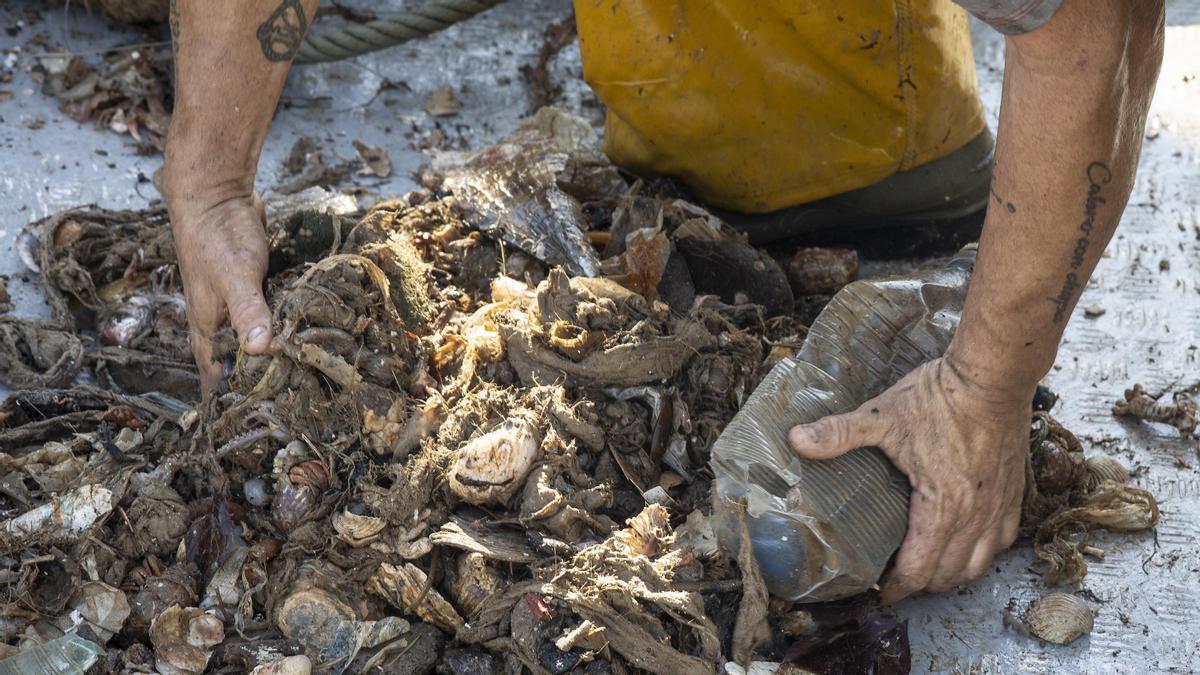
(962, 447)
(222, 250)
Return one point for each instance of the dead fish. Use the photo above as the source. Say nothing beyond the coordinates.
(28, 247)
(1059, 618)
(128, 322)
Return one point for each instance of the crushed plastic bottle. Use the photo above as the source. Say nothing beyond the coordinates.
(66, 655)
(824, 530)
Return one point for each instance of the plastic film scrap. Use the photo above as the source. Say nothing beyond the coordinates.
(824, 530)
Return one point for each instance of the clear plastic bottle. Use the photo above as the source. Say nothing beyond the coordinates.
(824, 530)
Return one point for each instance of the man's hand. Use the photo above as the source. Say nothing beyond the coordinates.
(962, 447)
(222, 251)
(231, 59)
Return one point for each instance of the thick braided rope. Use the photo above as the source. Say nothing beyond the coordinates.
(353, 41)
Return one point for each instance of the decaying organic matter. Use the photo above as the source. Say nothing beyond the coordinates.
(469, 442)
(1181, 414)
(1067, 496)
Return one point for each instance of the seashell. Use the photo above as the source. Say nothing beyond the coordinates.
(492, 467)
(291, 506)
(1101, 468)
(1059, 618)
(312, 474)
(183, 639)
(29, 247)
(357, 530)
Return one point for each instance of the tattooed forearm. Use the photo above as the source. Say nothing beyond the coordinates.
(1098, 175)
(282, 33)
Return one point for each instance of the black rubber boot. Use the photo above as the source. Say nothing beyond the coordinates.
(951, 191)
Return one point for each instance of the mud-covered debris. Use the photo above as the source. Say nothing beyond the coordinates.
(1181, 414)
(474, 581)
(183, 639)
(5, 298)
(36, 354)
(329, 627)
(492, 543)
(752, 628)
(1093, 311)
(874, 643)
(442, 102)
(821, 271)
(128, 93)
(721, 262)
(374, 159)
(468, 662)
(697, 535)
(1060, 618)
(175, 585)
(409, 589)
(453, 427)
(1110, 506)
(66, 655)
(98, 609)
(307, 169)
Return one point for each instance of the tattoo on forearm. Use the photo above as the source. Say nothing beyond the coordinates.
(1098, 175)
(282, 33)
(1000, 200)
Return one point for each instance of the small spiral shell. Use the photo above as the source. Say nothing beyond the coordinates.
(1059, 618)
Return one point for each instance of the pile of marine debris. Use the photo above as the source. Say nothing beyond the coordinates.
(479, 444)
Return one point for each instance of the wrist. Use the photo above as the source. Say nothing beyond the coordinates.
(997, 376)
(202, 168)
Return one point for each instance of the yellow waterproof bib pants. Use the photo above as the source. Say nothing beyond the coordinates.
(763, 104)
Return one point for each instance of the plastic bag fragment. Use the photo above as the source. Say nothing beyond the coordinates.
(824, 530)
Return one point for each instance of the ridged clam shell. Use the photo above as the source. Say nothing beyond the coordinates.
(357, 530)
(1059, 618)
(1101, 468)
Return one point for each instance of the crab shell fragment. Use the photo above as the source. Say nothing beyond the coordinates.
(492, 467)
(1059, 618)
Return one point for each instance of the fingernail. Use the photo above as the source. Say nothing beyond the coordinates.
(256, 333)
